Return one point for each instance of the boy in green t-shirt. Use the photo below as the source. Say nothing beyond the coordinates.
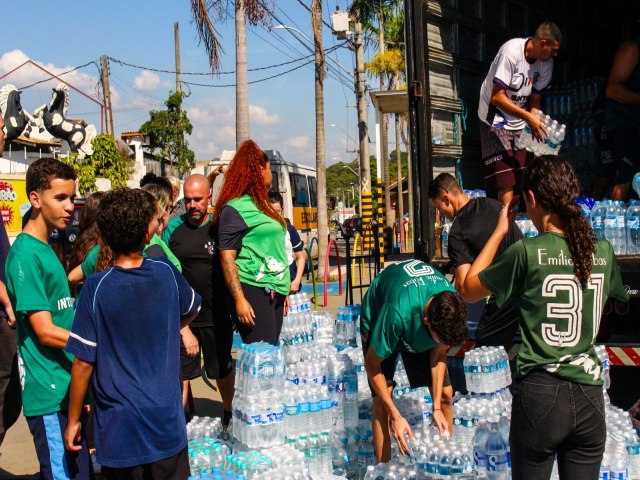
(39, 293)
(411, 310)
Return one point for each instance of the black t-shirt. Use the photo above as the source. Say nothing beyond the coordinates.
(472, 228)
(196, 249)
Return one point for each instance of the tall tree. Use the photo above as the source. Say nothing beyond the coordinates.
(166, 129)
(321, 173)
(253, 11)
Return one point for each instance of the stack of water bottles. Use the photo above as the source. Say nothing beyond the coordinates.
(475, 193)
(206, 451)
(324, 329)
(357, 357)
(346, 321)
(621, 460)
(552, 142)
(297, 333)
(258, 420)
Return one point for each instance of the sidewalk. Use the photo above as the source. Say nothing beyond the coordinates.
(17, 453)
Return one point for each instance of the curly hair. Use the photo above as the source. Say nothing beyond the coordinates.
(447, 314)
(41, 172)
(124, 218)
(556, 187)
(244, 176)
(88, 232)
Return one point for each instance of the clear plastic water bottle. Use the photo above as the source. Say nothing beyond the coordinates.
(598, 214)
(610, 221)
(497, 453)
(479, 450)
(445, 240)
(350, 394)
(621, 240)
(633, 228)
(618, 466)
(433, 466)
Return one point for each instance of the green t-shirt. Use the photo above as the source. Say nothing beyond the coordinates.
(88, 265)
(262, 260)
(393, 307)
(156, 240)
(36, 281)
(559, 318)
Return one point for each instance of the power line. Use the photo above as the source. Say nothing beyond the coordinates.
(173, 72)
(251, 82)
(59, 75)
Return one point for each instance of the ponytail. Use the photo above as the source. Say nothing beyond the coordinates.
(555, 185)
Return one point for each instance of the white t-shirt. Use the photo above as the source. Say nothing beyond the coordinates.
(518, 77)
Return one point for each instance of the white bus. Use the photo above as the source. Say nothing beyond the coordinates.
(296, 183)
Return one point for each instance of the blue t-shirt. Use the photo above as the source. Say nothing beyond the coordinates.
(128, 324)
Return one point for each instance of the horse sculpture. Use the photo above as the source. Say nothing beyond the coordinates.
(15, 120)
(77, 135)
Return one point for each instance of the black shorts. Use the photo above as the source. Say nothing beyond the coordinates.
(625, 149)
(502, 162)
(268, 308)
(415, 364)
(175, 467)
(215, 343)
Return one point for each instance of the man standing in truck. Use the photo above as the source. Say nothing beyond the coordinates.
(509, 98)
(622, 115)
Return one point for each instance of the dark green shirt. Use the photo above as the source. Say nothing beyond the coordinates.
(393, 307)
(36, 281)
(559, 318)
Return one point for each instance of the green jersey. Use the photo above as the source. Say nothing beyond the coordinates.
(88, 265)
(262, 260)
(36, 281)
(559, 317)
(157, 241)
(393, 307)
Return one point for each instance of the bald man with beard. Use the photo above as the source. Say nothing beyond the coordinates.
(193, 240)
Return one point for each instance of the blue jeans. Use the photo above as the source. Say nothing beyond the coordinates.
(551, 416)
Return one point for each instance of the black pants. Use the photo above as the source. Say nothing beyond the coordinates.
(268, 308)
(553, 416)
(10, 391)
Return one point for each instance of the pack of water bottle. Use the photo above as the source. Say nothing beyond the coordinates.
(486, 369)
(552, 143)
(619, 224)
(357, 357)
(258, 420)
(431, 456)
(308, 410)
(491, 450)
(526, 226)
(324, 325)
(346, 322)
(297, 329)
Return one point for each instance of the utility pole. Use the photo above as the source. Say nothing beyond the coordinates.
(107, 95)
(363, 130)
(176, 37)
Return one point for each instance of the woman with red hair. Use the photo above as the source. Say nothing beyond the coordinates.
(251, 243)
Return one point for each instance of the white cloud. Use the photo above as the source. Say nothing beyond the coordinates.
(146, 81)
(260, 116)
(298, 142)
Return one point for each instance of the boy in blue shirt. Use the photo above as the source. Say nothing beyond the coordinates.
(126, 339)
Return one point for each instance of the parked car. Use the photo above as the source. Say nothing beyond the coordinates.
(352, 225)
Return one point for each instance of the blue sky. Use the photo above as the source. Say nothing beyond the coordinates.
(61, 35)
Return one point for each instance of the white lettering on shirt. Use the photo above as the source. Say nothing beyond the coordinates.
(64, 303)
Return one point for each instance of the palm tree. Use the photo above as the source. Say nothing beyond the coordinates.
(373, 15)
(255, 11)
(321, 172)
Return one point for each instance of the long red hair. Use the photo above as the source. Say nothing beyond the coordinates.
(244, 177)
